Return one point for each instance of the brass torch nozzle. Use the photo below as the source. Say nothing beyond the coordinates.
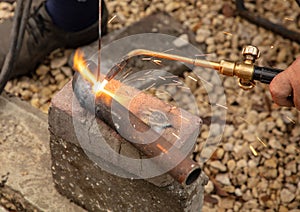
(243, 70)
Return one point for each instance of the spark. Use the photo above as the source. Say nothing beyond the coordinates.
(176, 81)
(184, 87)
(261, 141)
(290, 119)
(210, 84)
(288, 19)
(148, 72)
(162, 148)
(227, 33)
(192, 78)
(168, 50)
(146, 58)
(150, 86)
(245, 120)
(170, 77)
(110, 20)
(223, 106)
(160, 77)
(184, 118)
(253, 150)
(272, 47)
(157, 62)
(176, 135)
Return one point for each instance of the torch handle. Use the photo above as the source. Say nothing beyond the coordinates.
(265, 74)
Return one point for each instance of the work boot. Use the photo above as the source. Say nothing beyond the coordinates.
(41, 37)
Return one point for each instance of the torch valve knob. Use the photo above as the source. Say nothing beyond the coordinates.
(250, 53)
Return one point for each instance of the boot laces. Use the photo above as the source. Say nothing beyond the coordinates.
(38, 26)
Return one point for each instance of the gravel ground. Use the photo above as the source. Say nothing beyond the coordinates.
(240, 180)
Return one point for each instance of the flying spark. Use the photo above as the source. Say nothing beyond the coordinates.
(261, 141)
(253, 150)
(176, 135)
(227, 33)
(290, 119)
(219, 105)
(288, 19)
(160, 77)
(162, 148)
(110, 20)
(192, 78)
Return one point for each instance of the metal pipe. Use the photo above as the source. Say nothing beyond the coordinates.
(185, 170)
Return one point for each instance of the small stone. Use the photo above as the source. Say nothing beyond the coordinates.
(226, 203)
(223, 179)
(218, 165)
(274, 143)
(44, 108)
(35, 103)
(181, 41)
(209, 187)
(46, 92)
(286, 196)
(281, 56)
(55, 72)
(227, 10)
(202, 35)
(231, 165)
(247, 195)
(42, 70)
(238, 192)
(291, 149)
(271, 163)
(220, 153)
(26, 94)
(58, 62)
(228, 147)
(59, 77)
(67, 71)
(241, 163)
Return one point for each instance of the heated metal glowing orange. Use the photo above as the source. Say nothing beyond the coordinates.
(80, 65)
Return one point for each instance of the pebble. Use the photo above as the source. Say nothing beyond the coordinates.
(271, 163)
(209, 187)
(223, 179)
(218, 165)
(181, 41)
(286, 196)
(67, 71)
(42, 70)
(231, 165)
(226, 203)
(58, 62)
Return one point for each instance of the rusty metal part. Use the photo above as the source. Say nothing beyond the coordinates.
(164, 150)
(255, 19)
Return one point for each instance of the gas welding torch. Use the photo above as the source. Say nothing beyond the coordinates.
(246, 71)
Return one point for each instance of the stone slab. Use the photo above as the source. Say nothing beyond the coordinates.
(25, 157)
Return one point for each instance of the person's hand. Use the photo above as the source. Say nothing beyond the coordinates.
(285, 84)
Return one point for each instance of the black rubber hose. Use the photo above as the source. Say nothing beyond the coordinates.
(265, 74)
(17, 34)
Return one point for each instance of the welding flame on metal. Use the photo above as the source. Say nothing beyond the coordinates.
(81, 66)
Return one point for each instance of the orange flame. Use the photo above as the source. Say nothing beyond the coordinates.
(80, 65)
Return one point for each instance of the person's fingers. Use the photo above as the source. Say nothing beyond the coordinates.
(294, 78)
(280, 89)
